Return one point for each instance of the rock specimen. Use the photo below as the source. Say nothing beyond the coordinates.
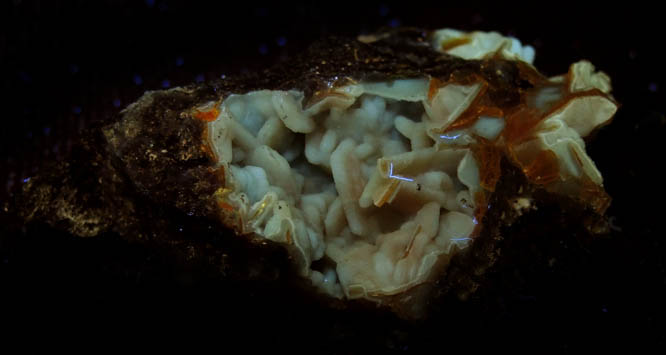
(372, 161)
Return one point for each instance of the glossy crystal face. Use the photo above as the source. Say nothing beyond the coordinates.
(372, 186)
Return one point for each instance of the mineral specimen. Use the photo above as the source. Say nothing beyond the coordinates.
(372, 161)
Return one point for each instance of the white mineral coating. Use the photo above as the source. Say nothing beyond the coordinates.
(289, 109)
(468, 172)
(455, 228)
(314, 202)
(413, 90)
(544, 98)
(397, 261)
(349, 183)
(368, 177)
(562, 130)
(585, 113)
(488, 127)
(252, 179)
(584, 77)
(480, 45)
(448, 104)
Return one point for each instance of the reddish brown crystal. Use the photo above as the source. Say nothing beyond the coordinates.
(489, 158)
(544, 169)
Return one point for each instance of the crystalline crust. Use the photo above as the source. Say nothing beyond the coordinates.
(378, 166)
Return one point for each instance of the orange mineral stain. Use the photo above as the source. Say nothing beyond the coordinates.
(435, 84)
(450, 44)
(208, 116)
(225, 206)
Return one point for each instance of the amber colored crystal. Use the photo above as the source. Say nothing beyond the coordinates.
(528, 73)
(482, 106)
(489, 158)
(543, 169)
(519, 125)
(481, 201)
(594, 195)
(435, 84)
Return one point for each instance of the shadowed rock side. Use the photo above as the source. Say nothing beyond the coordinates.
(155, 168)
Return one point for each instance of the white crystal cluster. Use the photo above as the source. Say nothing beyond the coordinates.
(369, 181)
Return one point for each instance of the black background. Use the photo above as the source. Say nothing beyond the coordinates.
(65, 64)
